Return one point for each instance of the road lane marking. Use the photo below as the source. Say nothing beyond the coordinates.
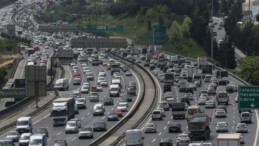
(171, 117)
(154, 140)
(160, 133)
(49, 139)
(164, 127)
(59, 133)
(73, 139)
(87, 113)
(142, 128)
(82, 118)
(41, 119)
(103, 117)
(168, 122)
(70, 74)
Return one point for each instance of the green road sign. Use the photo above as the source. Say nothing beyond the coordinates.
(159, 35)
(248, 97)
(94, 27)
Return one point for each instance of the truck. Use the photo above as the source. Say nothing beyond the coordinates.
(222, 96)
(62, 111)
(178, 110)
(115, 67)
(116, 81)
(228, 139)
(169, 78)
(190, 71)
(61, 84)
(199, 127)
(221, 73)
(207, 69)
(202, 61)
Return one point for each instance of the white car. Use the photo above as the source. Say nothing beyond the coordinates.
(78, 121)
(222, 127)
(84, 89)
(104, 83)
(100, 79)
(24, 139)
(182, 140)
(102, 74)
(220, 113)
(202, 100)
(123, 106)
(81, 103)
(241, 128)
(150, 128)
(71, 127)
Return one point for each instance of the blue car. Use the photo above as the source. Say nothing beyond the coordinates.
(112, 116)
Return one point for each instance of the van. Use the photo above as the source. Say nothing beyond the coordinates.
(222, 97)
(134, 137)
(207, 78)
(245, 117)
(98, 109)
(38, 140)
(114, 90)
(191, 110)
(61, 84)
(24, 125)
(157, 114)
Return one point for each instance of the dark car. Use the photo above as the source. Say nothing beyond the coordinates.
(175, 127)
(99, 126)
(166, 142)
(43, 131)
(60, 143)
(6, 142)
(129, 98)
(108, 101)
(124, 68)
(167, 88)
(112, 116)
(131, 91)
(146, 64)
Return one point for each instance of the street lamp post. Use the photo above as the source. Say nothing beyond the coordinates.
(211, 49)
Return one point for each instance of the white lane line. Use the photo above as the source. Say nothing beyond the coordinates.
(154, 140)
(168, 122)
(49, 139)
(103, 117)
(41, 119)
(142, 128)
(160, 133)
(257, 128)
(82, 118)
(171, 117)
(164, 127)
(88, 114)
(73, 139)
(59, 133)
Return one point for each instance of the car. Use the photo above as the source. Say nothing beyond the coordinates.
(89, 76)
(102, 74)
(100, 79)
(165, 105)
(231, 87)
(242, 140)
(94, 97)
(241, 128)
(108, 101)
(182, 139)
(99, 88)
(210, 104)
(104, 83)
(166, 142)
(202, 100)
(211, 91)
(13, 135)
(224, 107)
(174, 127)
(220, 113)
(77, 81)
(60, 143)
(71, 127)
(188, 95)
(78, 121)
(99, 126)
(128, 73)
(43, 131)
(119, 112)
(85, 132)
(24, 139)
(76, 73)
(221, 127)
(81, 103)
(112, 116)
(131, 91)
(168, 95)
(76, 94)
(123, 106)
(84, 89)
(150, 128)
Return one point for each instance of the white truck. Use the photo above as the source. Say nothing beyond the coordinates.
(61, 84)
(190, 71)
(116, 81)
(115, 90)
(62, 111)
(230, 139)
(134, 137)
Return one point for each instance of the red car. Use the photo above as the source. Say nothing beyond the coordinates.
(76, 73)
(119, 113)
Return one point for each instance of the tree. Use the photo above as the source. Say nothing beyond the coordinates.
(250, 69)
(186, 25)
(175, 33)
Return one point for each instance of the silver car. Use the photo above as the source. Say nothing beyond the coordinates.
(71, 127)
(24, 139)
(86, 132)
(13, 135)
(241, 128)
(123, 106)
(210, 104)
(81, 103)
(150, 128)
(222, 127)
(220, 113)
(94, 97)
(182, 140)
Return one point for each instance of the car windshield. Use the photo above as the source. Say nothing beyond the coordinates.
(35, 142)
(81, 100)
(22, 123)
(72, 124)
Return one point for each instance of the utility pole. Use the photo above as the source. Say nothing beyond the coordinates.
(212, 26)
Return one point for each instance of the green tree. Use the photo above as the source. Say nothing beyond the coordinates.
(186, 25)
(175, 33)
(250, 69)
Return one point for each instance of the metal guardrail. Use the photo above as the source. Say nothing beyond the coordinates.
(123, 121)
(16, 63)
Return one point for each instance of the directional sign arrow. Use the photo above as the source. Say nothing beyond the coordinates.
(252, 105)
